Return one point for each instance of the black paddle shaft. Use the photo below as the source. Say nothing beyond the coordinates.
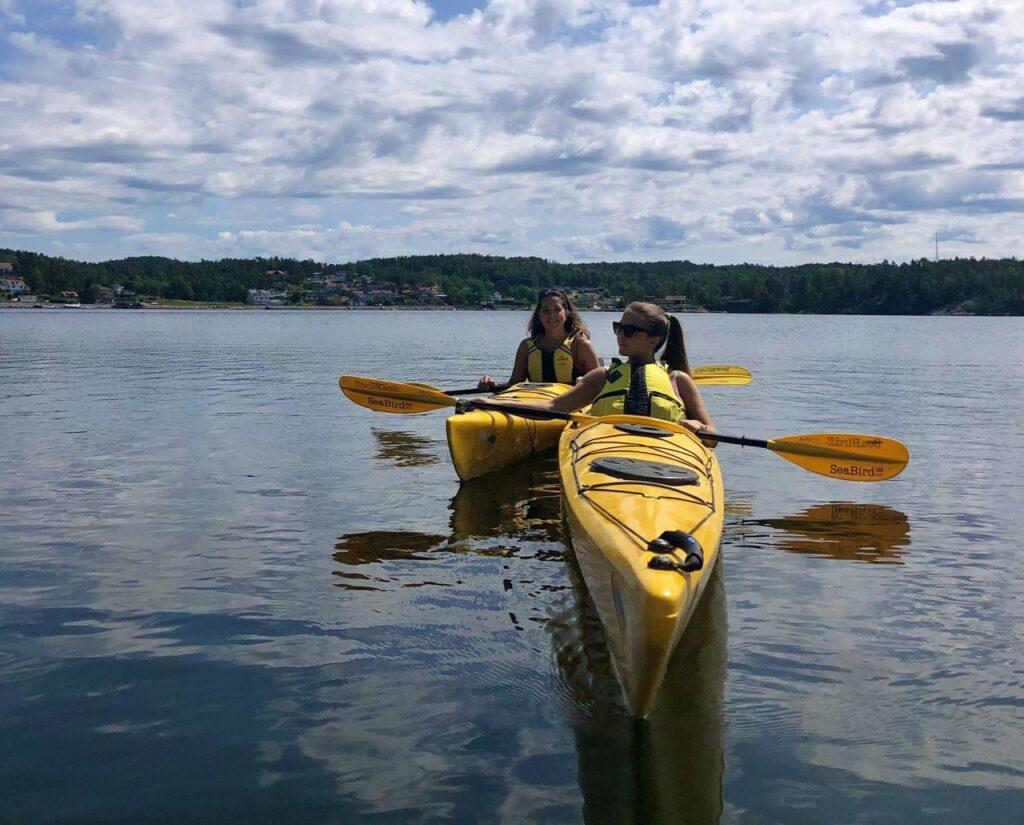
(742, 440)
(496, 388)
(521, 410)
(526, 412)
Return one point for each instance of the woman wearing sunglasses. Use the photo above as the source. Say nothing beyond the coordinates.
(558, 349)
(641, 384)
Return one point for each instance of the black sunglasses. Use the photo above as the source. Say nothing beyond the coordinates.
(628, 330)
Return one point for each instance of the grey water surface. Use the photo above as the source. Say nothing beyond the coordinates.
(227, 594)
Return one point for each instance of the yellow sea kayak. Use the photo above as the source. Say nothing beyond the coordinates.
(645, 505)
(483, 440)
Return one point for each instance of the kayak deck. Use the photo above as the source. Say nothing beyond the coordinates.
(613, 517)
(481, 441)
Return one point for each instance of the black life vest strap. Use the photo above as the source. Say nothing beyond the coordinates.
(547, 367)
(638, 400)
(668, 398)
(611, 394)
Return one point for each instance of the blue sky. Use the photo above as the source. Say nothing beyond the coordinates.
(719, 131)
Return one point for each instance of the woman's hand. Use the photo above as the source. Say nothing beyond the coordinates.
(698, 427)
(485, 384)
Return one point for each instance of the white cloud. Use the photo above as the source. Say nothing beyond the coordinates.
(14, 220)
(561, 128)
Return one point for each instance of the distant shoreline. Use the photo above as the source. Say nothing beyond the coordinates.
(200, 305)
(19, 305)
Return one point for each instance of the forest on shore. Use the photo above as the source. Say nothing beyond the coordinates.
(966, 286)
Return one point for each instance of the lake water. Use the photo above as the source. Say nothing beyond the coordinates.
(228, 594)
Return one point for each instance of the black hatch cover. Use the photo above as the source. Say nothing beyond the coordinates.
(637, 469)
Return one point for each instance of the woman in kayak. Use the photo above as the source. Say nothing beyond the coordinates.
(558, 348)
(642, 384)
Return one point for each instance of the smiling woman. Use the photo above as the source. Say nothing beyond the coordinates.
(558, 348)
(642, 384)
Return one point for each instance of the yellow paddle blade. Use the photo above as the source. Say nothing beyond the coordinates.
(849, 456)
(721, 374)
(392, 396)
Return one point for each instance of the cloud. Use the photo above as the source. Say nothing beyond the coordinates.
(48, 222)
(558, 128)
(1009, 112)
(963, 234)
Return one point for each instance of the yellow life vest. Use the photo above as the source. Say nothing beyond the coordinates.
(550, 367)
(646, 391)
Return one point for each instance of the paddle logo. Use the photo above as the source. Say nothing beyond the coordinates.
(388, 403)
(853, 442)
(370, 386)
(853, 471)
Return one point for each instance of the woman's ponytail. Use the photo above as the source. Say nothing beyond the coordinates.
(675, 348)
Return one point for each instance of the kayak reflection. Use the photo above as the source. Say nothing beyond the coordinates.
(405, 449)
(869, 533)
(514, 513)
(522, 501)
(667, 768)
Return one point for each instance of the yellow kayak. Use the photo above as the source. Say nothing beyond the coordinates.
(645, 505)
(483, 440)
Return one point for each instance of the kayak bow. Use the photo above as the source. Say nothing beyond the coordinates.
(645, 507)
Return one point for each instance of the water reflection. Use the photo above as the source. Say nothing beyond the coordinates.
(667, 769)
(869, 533)
(513, 513)
(522, 501)
(404, 449)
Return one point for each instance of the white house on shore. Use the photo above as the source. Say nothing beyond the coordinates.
(13, 286)
(265, 297)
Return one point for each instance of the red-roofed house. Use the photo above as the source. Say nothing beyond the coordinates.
(13, 286)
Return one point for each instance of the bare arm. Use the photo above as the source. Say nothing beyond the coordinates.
(584, 393)
(699, 418)
(588, 388)
(584, 356)
(518, 371)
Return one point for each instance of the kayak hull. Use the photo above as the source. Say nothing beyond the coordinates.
(644, 611)
(481, 441)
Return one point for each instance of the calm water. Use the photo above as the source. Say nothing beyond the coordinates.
(227, 594)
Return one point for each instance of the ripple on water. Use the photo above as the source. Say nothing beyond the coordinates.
(167, 608)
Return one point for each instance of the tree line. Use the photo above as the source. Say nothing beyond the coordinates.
(957, 285)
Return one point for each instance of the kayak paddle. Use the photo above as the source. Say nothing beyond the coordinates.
(720, 374)
(849, 456)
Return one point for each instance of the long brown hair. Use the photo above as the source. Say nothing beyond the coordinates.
(669, 332)
(573, 323)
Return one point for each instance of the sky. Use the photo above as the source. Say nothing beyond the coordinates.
(723, 131)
